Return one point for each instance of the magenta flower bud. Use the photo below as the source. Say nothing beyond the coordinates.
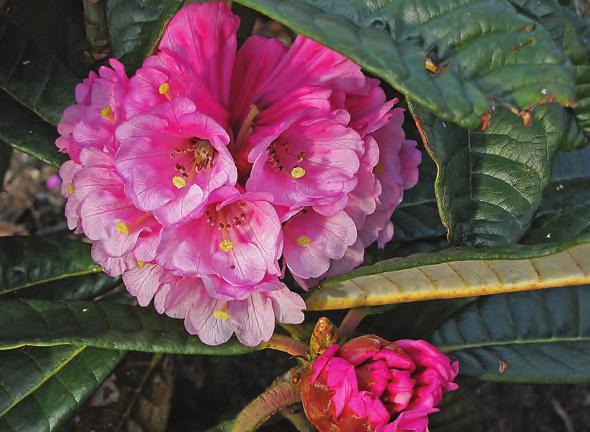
(370, 384)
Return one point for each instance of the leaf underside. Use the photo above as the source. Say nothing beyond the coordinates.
(455, 273)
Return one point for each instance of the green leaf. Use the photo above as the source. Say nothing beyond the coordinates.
(102, 325)
(490, 183)
(571, 33)
(24, 370)
(457, 273)
(63, 381)
(415, 320)
(27, 262)
(481, 50)
(460, 411)
(417, 216)
(32, 76)
(136, 28)
(564, 213)
(137, 396)
(32, 136)
(538, 337)
(35, 87)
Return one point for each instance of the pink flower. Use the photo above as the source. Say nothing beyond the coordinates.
(53, 182)
(312, 162)
(91, 122)
(215, 319)
(243, 240)
(172, 160)
(194, 177)
(367, 382)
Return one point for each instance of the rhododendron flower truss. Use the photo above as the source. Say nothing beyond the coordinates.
(213, 168)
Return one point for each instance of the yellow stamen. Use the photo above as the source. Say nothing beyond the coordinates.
(140, 263)
(222, 314)
(297, 172)
(378, 169)
(107, 112)
(226, 245)
(70, 189)
(179, 182)
(303, 241)
(122, 228)
(164, 89)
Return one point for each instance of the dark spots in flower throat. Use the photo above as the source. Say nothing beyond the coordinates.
(195, 155)
(279, 157)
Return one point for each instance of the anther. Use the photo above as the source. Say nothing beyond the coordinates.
(164, 89)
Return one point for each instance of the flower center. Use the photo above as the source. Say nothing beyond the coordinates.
(222, 313)
(280, 157)
(107, 113)
(122, 228)
(195, 155)
(303, 241)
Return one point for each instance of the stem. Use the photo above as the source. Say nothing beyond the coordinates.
(351, 321)
(286, 344)
(297, 419)
(354, 317)
(264, 406)
(296, 331)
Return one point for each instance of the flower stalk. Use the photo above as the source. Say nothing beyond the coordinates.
(273, 400)
(287, 344)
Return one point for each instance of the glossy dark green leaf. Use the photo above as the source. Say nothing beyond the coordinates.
(100, 324)
(479, 50)
(572, 34)
(26, 131)
(136, 397)
(66, 381)
(35, 87)
(417, 216)
(32, 76)
(136, 27)
(24, 370)
(537, 337)
(27, 262)
(565, 209)
(416, 320)
(489, 183)
(460, 411)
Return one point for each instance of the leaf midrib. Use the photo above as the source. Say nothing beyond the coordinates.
(45, 379)
(471, 346)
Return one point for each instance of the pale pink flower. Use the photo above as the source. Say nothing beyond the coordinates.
(215, 319)
(91, 122)
(312, 240)
(238, 238)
